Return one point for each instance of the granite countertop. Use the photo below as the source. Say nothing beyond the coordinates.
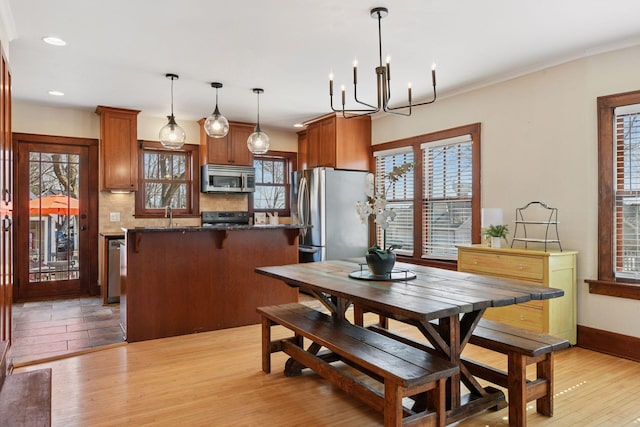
(181, 228)
(112, 234)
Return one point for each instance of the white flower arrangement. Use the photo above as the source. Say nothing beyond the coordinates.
(376, 204)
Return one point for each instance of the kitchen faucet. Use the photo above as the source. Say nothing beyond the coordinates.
(168, 211)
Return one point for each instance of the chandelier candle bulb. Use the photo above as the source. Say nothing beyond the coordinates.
(331, 84)
(433, 75)
(355, 71)
(343, 95)
(409, 93)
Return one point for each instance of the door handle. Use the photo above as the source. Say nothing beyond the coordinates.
(6, 223)
(302, 189)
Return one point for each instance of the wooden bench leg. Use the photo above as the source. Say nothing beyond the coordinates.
(544, 369)
(392, 404)
(440, 401)
(358, 317)
(266, 345)
(517, 384)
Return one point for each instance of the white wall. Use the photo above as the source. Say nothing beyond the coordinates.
(539, 142)
(7, 28)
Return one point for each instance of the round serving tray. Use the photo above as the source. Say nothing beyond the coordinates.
(394, 276)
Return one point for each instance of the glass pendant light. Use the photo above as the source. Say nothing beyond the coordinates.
(171, 135)
(216, 125)
(258, 141)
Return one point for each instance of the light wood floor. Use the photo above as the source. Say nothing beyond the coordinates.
(215, 379)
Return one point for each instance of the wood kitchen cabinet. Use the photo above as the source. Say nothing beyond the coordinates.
(230, 150)
(333, 141)
(118, 148)
(556, 316)
(303, 150)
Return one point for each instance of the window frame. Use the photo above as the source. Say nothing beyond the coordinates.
(606, 283)
(416, 143)
(434, 195)
(291, 165)
(192, 154)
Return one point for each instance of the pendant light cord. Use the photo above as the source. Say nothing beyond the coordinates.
(258, 110)
(171, 96)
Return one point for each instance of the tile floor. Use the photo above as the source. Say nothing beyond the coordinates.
(47, 329)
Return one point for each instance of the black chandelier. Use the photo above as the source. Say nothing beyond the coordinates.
(383, 73)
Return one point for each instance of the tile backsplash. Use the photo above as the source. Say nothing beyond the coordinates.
(124, 205)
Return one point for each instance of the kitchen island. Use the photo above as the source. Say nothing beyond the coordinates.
(183, 280)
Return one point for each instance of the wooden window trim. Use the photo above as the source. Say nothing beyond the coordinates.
(292, 166)
(607, 284)
(415, 142)
(193, 154)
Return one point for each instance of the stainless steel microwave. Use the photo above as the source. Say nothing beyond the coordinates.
(228, 179)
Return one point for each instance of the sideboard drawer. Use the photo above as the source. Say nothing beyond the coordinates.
(520, 266)
(524, 316)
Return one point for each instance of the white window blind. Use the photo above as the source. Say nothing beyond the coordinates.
(448, 191)
(399, 198)
(627, 192)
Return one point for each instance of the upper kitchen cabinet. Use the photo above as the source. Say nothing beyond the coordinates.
(118, 148)
(229, 150)
(334, 141)
(303, 150)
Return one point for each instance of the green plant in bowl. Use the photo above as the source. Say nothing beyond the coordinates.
(499, 231)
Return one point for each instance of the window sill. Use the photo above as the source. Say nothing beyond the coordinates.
(614, 289)
(447, 265)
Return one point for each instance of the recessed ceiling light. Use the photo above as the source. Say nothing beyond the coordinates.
(56, 93)
(298, 125)
(54, 41)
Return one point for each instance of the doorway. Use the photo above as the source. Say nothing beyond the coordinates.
(56, 242)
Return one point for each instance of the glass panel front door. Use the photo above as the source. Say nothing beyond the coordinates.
(52, 234)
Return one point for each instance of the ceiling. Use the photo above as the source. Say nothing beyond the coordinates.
(118, 51)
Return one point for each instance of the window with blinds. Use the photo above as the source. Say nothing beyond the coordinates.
(627, 191)
(399, 197)
(447, 196)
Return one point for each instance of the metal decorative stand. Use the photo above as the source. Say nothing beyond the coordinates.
(547, 217)
(394, 276)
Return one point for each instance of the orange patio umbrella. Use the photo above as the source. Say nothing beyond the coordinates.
(57, 204)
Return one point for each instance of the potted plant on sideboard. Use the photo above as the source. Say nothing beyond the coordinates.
(496, 233)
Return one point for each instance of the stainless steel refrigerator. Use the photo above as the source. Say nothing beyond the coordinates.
(325, 198)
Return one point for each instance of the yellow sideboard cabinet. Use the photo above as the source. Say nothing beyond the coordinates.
(556, 316)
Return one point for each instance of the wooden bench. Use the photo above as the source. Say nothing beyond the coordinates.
(522, 348)
(25, 398)
(404, 370)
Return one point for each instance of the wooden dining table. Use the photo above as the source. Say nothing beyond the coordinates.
(445, 306)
